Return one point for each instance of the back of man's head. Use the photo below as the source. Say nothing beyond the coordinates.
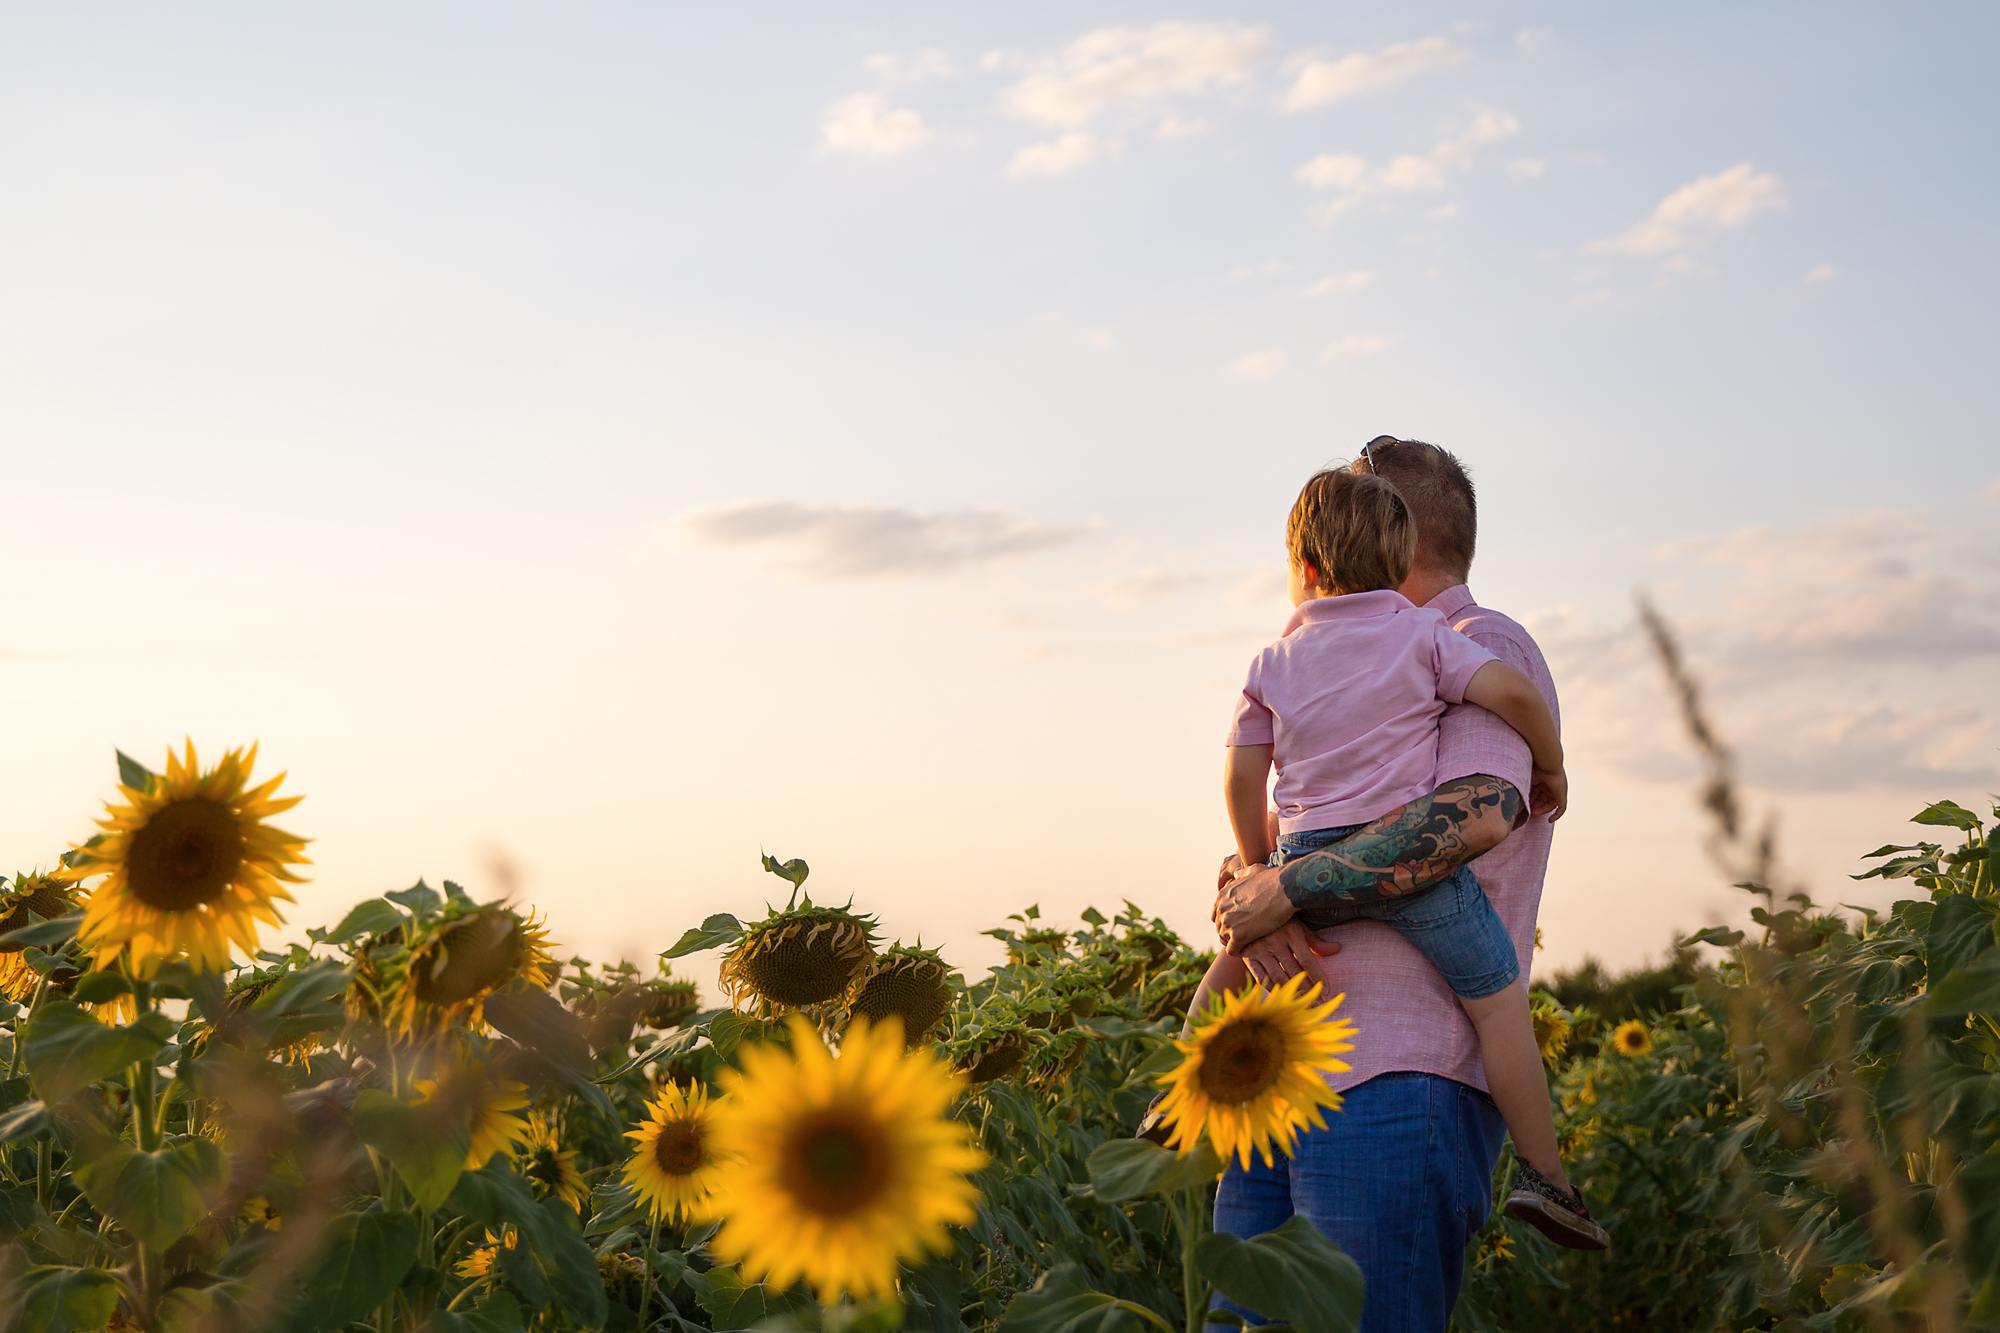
(1434, 484)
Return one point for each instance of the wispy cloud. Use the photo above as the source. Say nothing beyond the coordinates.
(871, 541)
(918, 67)
(1821, 273)
(1353, 280)
(1061, 155)
(1527, 168)
(1317, 80)
(1358, 344)
(864, 125)
(1134, 69)
(1258, 365)
(1147, 586)
(1716, 203)
(1409, 172)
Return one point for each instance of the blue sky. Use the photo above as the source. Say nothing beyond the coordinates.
(600, 440)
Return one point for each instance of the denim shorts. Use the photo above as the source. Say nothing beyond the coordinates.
(1452, 923)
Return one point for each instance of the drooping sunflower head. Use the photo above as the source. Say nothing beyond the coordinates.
(190, 865)
(492, 1105)
(992, 1052)
(1632, 1038)
(1037, 945)
(802, 956)
(46, 897)
(459, 960)
(842, 1164)
(674, 1165)
(669, 1003)
(1552, 1028)
(913, 985)
(550, 1165)
(1254, 1071)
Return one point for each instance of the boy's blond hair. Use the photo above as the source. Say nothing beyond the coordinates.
(1355, 530)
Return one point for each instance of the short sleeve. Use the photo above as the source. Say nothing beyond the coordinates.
(1253, 723)
(1458, 659)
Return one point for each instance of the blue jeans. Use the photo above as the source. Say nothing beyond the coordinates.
(1452, 923)
(1401, 1179)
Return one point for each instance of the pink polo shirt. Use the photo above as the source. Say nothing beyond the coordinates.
(1349, 700)
(1405, 1015)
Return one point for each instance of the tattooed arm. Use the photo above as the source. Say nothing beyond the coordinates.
(1407, 850)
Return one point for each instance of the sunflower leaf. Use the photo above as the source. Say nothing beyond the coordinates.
(427, 1143)
(56, 930)
(156, 1196)
(1124, 1169)
(29, 1120)
(133, 774)
(53, 1299)
(373, 916)
(420, 898)
(101, 987)
(1293, 1273)
(68, 1050)
(722, 928)
(1062, 1302)
(364, 1259)
(551, 1262)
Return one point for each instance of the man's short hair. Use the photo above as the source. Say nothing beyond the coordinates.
(1355, 530)
(1439, 492)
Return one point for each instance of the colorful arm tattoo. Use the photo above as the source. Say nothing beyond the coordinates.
(1405, 851)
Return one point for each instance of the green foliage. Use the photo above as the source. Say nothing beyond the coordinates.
(1293, 1274)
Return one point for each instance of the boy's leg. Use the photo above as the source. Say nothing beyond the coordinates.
(1225, 974)
(1514, 1076)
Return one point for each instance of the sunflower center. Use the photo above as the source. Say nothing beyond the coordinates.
(1242, 1061)
(835, 1162)
(472, 955)
(185, 855)
(679, 1150)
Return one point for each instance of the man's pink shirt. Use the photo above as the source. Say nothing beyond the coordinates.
(1350, 700)
(1405, 1017)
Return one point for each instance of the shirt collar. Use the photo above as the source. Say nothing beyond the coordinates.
(1353, 606)
(1452, 601)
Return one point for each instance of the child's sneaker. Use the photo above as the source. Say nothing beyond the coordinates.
(1557, 1213)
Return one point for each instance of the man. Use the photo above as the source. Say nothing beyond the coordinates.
(1402, 1177)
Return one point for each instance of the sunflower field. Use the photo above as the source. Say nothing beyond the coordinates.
(421, 1119)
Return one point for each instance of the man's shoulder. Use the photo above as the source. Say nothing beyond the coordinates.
(1494, 630)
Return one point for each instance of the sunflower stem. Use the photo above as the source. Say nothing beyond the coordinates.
(646, 1287)
(1194, 1225)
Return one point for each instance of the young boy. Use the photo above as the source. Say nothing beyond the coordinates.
(1347, 704)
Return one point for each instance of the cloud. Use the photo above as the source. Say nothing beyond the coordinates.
(1353, 280)
(919, 67)
(1725, 200)
(864, 126)
(1527, 168)
(1821, 273)
(1174, 127)
(1060, 156)
(871, 541)
(1408, 173)
(1356, 344)
(1530, 40)
(1258, 365)
(1317, 81)
(1133, 69)
(1148, 585)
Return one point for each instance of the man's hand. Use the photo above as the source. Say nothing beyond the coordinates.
(1282, 955)
(1250, 908)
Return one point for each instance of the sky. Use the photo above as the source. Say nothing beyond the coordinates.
(587, 446)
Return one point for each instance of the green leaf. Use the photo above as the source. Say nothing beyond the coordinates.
(133, 774)
(100, 988)
(718, 929)
(156, 1196)
(376, 916)
(1292, 1273)
(1062, 1302)
(934, 1297)
(364, 1258)
(793, 870)
(56, 930)
(67, 1049)
(29, 1120)
(18, 1209)
(1719, 935)
(1125, 1169)
(498, 1313)
(1948, 813)
(1969, 990)
(733, 1303)
(51, 1299)
(1093, 917)
(420, 898)
(552, 1262)
(426, 1142)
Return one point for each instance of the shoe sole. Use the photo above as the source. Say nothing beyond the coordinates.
(1558, 1224)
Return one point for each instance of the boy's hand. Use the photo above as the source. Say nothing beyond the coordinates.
(1549, 793)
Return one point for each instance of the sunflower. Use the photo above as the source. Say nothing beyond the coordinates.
(1552, 1031)
(478, 1266)
(1253, 1072)
(995, 1056)
(550, 1165)
(843, 1164)
(675, 1166)
(1632, 1038)
(455, 964)
(669, 1003)
(912, 984)
(802, 956)
(191, 867)
(490, 1105)
(46, 897)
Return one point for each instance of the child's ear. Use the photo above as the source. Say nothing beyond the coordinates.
(1309, 572)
